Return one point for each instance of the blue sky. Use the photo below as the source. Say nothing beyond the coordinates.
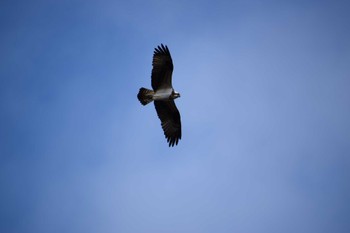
(265, 107)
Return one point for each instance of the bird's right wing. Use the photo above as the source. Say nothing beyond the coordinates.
(162, 68)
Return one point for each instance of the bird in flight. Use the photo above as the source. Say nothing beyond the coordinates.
(163, 94)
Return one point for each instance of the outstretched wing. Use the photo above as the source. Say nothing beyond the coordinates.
(162, 68)
(170, 118)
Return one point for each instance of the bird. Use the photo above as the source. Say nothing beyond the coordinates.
(163, 94)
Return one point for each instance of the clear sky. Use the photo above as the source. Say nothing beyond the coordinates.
(265, 108)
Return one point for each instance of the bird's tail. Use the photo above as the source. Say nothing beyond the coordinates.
(145, 96)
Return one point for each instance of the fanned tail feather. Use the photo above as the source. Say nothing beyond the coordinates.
(145, 96)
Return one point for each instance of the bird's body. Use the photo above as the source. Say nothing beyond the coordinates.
(163, 94)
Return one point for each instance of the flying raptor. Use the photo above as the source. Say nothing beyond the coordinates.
(163, 94)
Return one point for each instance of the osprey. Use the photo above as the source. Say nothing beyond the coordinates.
(163, 94)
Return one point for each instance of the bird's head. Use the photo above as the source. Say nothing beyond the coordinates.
(176, 94)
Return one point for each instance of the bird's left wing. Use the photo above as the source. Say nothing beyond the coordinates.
(170, 118)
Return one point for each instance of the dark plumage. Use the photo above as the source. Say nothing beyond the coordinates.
(163, 94)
